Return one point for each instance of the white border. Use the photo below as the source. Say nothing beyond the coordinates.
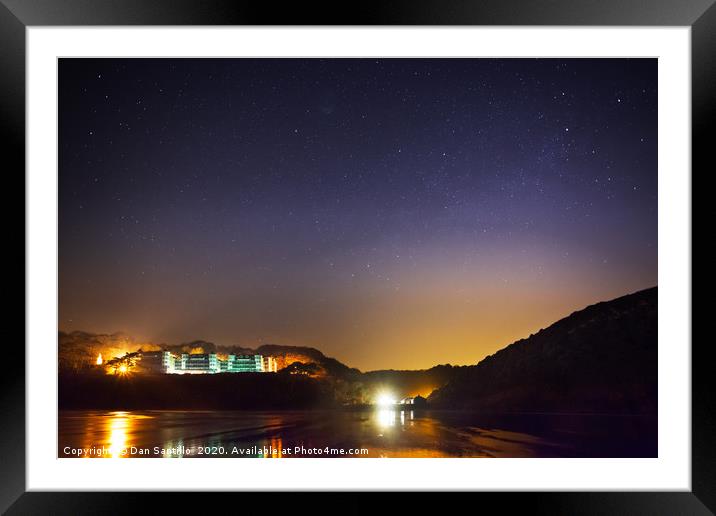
(671, 471)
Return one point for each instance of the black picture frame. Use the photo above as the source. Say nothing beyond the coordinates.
(700, 15)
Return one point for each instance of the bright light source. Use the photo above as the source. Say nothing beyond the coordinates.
(385, 400)
(99, 359)
(123, 369)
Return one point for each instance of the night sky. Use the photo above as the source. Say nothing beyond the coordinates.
(393, 213)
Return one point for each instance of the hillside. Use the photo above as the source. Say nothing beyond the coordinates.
(411, 382)
(78, 351)
(286, 355)
(600, 359)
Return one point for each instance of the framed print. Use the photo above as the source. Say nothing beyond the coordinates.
(416, 249)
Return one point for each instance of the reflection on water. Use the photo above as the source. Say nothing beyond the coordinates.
(275, 449)
(118, 424)
(383, 432)
(109, 435)
(385, 417)
(389, 417)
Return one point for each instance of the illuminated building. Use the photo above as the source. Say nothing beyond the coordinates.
(197, 363)
(417, 401)
(270, 365)
(155, 362)
(245, 364)
(165, 362)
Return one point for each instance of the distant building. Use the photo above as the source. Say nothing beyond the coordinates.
(156, 362)
(164, 362)
(419, 401)
(270, 365)
(197, 363)
(415, 401)
(245, 364)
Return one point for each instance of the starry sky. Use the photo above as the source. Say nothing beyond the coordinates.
(393, 213)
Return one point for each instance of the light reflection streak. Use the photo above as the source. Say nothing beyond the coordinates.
(385, 418)
(276, 448)
(118, 428)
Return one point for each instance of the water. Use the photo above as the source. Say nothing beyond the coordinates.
(364, 433)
